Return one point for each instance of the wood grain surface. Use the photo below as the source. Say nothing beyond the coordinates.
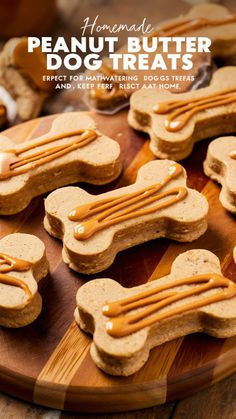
(216, 402)
(57, 370)
(131, 267)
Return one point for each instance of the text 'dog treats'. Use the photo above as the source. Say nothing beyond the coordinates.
(23, 75)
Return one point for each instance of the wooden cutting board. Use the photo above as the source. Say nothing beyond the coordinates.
(49, 363)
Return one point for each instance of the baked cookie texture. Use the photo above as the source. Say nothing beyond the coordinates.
(23, 264)
(21, 74)
(3, 114)
(126, 323)
(95, 228)
(111, 100)
(71, 151)
(203, 20)
(220, 165)
(175, 122)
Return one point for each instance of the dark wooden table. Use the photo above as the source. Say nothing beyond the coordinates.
(218, 401)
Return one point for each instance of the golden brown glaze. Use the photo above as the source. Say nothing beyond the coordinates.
(32, 64)
(9, 264)
(104, 94)
(111, 211)
(233, 154)
(181, 111)
(2, 110)
(151, 301)
(13, 163)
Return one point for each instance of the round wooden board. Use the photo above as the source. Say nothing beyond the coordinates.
(49, 363)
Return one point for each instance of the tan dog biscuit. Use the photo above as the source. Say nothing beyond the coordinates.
(95, 228)
(220, 165)
(21, 74)
(72, 151)
(122, 83)
(175, 122)
(3, 114)
(204, 20)
(127, 323)
(23, 264)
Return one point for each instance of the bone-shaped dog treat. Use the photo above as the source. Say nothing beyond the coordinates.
(220, 165)
(122, 83)
(208, 20)
(176, 121)
(127, 323)
(72, 151)
(95, 228)
(23, 75)
(23, 264)
(211, 20)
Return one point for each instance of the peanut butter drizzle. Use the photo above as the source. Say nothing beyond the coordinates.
(232, 154)
(13, 165)
(2, 110)
(105, 94)
(111, 211)
(181, 111)
(32, 64)
(9, 264)
(123, 324)
(182, 26)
